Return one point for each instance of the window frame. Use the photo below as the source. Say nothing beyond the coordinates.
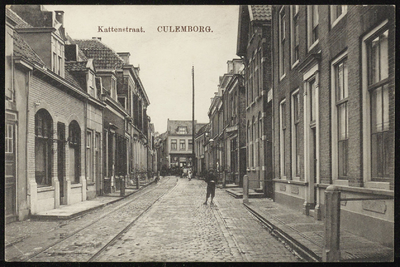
(339, 100)
(367, 89)
(174, 144)
(57, 58)
(46, 142)
(294, 35)
(282, 137)
(335, 19)
(182, 144)
(295, 136)
(310, 26)
(89, 156)
(9, 138)
(281, 42)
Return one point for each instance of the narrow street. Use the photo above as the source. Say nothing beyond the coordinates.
(166, 222)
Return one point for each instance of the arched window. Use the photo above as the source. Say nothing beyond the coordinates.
(74, 151)
(43, 147)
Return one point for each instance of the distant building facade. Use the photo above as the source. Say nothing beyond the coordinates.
(178, 143)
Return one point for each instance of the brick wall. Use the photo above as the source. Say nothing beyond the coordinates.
(344, 36)
(62, 108)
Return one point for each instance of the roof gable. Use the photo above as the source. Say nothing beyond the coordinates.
(248, 14)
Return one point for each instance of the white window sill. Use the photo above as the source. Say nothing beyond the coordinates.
(313, 45)
(295, 64)
(338, 19)
(45, 189)
(76, 185)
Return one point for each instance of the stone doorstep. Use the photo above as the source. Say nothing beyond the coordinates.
(238, 193)
(78, 209)
(301, 243)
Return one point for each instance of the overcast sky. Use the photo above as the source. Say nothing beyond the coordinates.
(165, 59)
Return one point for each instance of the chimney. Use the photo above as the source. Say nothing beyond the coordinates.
(60, 17)
(97, 38)
(230, 66)
(125, 57)
(137, 69)
(71, 52)
(237, 66)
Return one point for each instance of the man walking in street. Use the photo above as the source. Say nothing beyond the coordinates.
(211, 181)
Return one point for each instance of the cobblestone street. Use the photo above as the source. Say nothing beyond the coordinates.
(170, 223)
(179, 227)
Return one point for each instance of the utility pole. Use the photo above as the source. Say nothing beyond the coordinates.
(193, 126)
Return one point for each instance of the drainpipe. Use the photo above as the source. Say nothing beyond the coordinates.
(245, 124)
(26, 141)
(273, 117)
(85, 135)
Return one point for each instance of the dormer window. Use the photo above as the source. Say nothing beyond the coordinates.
(182, 130)
(57, 62)
(91, 84)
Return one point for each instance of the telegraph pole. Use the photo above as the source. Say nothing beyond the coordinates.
(193, 126)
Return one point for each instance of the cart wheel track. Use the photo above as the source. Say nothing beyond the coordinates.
(90, 224)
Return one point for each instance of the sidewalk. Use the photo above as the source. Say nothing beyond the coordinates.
(66, 212)
(306, 235)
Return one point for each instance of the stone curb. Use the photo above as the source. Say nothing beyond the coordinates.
(80, 213)
(302, 250)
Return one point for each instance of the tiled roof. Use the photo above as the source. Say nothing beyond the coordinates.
(22, 49)
(71, 79)
(104, 57)
(200, 126)
(172, 126)
(75, 65)
(20, 23)
(203, 128)
(261, 12)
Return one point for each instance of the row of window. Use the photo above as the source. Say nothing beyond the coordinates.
(182, 144)
(254, 76)
(377, 105)
(254, 133)
(336, 13)
(44, 148)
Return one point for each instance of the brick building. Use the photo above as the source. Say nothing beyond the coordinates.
(254, 46)
(215, 143)
(126, 130)
(179, 144)
(234, 122)
(75, 124)
(333, 81)
(51, 170)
